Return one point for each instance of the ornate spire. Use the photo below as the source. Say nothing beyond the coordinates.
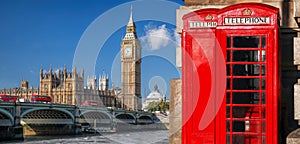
(65, 68)
(82, 72)
(74, 70)
(130, 22)
(155, 87)
(103, 74)
(130, 30)
(41, 71)
(50, 71)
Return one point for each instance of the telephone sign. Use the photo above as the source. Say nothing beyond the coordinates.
(230, 75)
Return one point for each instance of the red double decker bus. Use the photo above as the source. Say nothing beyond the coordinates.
(8, 98)
(90, 103)
(41, 98)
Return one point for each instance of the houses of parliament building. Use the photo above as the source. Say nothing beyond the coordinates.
(67, 87)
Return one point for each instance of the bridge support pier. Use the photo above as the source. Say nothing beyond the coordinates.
(77, 123)
(11, 132)
(18, 129)
(14, 130)
(18, 132)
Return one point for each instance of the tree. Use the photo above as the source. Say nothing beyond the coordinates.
(158, 106)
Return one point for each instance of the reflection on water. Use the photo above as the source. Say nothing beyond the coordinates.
(126, 133)
(50, 137)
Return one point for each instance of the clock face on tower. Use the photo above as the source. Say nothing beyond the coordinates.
(127, 52)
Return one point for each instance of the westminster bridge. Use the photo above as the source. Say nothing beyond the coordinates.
(19, 119)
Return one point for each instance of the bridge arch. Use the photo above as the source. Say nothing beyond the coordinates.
(88, 112)
(125, 116)
(144, 119)
(8, 115)
(96, 120)
(51, 109)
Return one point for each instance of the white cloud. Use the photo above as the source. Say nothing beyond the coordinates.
(157, 38)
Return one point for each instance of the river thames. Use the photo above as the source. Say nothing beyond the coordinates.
(127, 134)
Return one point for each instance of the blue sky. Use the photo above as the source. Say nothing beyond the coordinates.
(40, 33)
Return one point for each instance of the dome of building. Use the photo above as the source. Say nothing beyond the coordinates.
(155, 95)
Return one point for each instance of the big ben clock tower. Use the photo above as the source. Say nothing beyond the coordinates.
(131, 68)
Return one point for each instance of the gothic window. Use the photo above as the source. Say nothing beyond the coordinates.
(69, 98)
(70, 85)
(62, 99)
(46, 86)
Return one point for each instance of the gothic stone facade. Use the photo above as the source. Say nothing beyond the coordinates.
(23, 92)
(64, 87)
(68, 88)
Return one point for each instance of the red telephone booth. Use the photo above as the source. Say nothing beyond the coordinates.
(245, 111)
(198, 58)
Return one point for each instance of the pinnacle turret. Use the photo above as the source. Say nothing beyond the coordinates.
(130, 22)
